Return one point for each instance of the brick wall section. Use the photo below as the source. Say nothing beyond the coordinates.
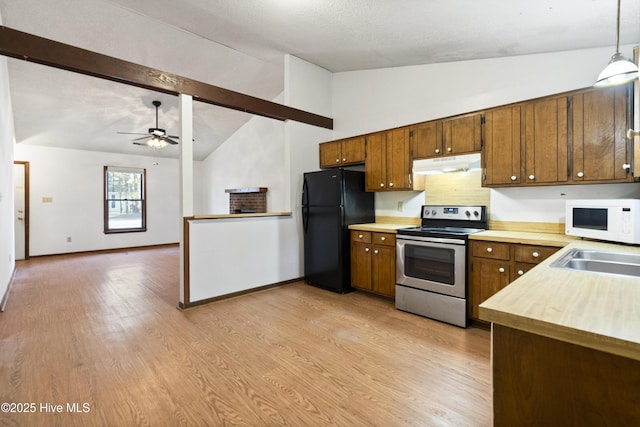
(248, 201)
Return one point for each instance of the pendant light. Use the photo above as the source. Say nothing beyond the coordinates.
(620, 70)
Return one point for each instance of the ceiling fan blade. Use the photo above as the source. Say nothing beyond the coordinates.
(139, 143)
(131, 133)
(169, 140)
(173, 136)
(143, 137)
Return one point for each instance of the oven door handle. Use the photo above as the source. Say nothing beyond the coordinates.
(430, 239)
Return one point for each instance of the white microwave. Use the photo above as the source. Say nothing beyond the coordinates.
(615, 220)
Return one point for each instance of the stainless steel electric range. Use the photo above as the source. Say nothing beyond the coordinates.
(431, 268)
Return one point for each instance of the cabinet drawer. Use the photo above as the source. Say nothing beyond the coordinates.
(360, 236)
(520, 268)
(532, 254)
(388, 239)
(492, 250)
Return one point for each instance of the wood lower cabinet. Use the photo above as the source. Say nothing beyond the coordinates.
(349, 151)
(373, 262)
(540, 381)
(493, 265)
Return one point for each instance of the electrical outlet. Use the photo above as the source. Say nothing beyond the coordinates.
(400, 206)
(47, 200)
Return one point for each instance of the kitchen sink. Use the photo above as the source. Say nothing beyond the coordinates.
(626, 264)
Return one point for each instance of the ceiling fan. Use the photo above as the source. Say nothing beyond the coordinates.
(156, 137)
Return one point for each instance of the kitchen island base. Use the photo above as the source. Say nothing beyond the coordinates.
(542, 381)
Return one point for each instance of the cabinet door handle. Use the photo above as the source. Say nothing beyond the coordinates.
(580, 174)
(520, 272)
(391, 184)
(449, 149)
(337, 160)
(366, 249)
(344, 159)
(513, 178)
(489, 250)
(532, 177)
(535, 254)
(626, 166)
(375, 251)
(501, 269)
(381, 184)
(437, 151)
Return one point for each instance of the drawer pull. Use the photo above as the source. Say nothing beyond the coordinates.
(520, 272)
(383, 238)
(489, 250)
(535, 254)
(501, 269)
(360, 236)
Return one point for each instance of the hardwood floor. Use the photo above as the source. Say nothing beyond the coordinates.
(102, 331)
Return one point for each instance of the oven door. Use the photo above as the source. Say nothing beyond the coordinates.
(436, 265)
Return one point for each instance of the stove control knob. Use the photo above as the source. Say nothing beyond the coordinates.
(433, 212)
(426, 213)
(476, 213)
(467, 213)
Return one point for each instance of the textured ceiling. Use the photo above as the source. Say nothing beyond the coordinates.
(240, 45)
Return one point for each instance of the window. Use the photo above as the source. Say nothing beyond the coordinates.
(124, 200)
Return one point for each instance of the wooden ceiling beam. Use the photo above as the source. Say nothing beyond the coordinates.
(28, 47)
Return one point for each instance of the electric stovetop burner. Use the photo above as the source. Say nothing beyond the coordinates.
(449, 220)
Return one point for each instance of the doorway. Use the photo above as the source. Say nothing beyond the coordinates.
(21, 209)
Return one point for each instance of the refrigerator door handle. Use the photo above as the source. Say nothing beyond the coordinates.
(305, 218)
(305, 194)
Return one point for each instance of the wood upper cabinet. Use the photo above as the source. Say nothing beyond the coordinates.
(447, 137)
(388, 164)
(373, 262)
(462, 134)
(349, 151)
(426, 139)
(545, 129)
(501, 151)
(600, 146)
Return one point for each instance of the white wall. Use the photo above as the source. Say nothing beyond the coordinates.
(252, 157)
(270, 153)
(307, 87)
(74, 180)
(367, 101)
(7, 139)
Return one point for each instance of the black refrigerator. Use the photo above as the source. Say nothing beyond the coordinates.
(332, 200)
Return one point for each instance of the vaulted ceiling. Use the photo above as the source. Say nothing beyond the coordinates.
(240, 45)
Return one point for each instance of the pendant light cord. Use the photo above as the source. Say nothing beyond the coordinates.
(618, 29)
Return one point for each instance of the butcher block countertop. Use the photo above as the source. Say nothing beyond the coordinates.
(595, 310)
(379, 226)
(544, 239)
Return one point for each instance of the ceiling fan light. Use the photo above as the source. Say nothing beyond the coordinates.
(156, 143)
(619, 71)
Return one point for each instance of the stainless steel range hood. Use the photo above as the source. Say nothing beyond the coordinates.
(445, 164)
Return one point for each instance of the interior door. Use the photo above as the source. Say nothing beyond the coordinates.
(20, 197)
